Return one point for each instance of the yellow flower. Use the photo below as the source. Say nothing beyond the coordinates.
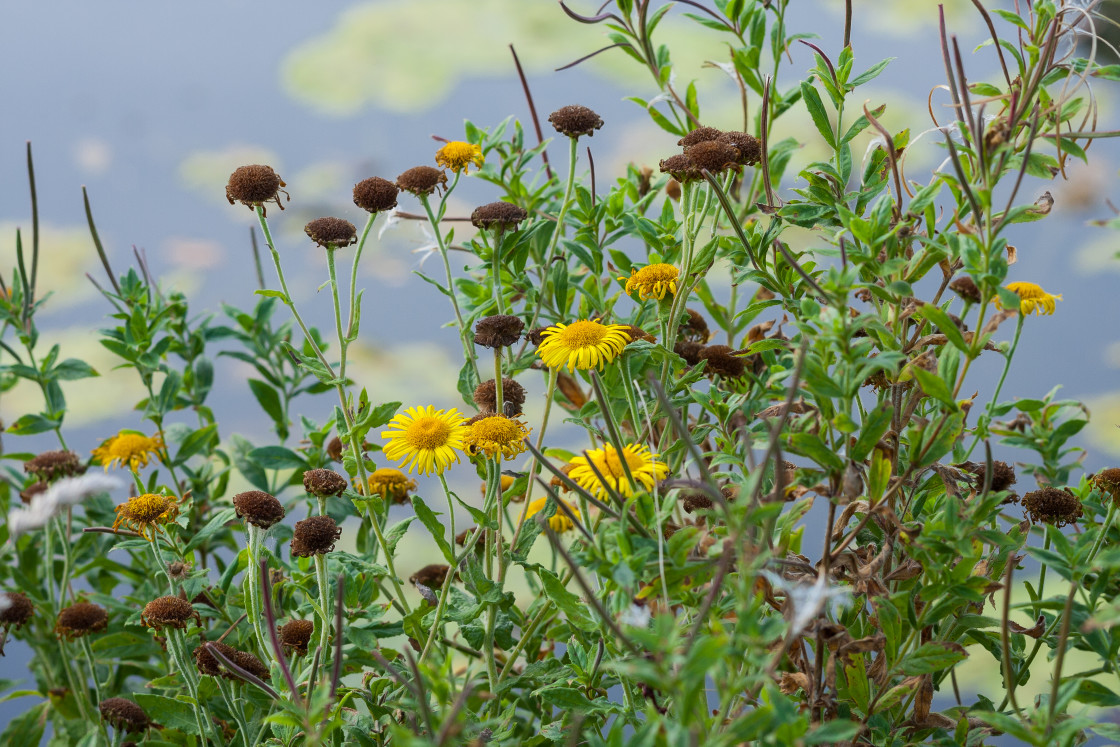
(559, 521)
(643, 466)
(583, 344)
(128, 447)
(1032, 299)
(391, 484)
(458, 155)
(425, 439)
(148, 511)
(652, 281)
(496, 436)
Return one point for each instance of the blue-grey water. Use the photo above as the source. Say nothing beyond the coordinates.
(151, 105)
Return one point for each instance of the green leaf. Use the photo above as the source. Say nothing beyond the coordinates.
(933, 657)
(168, 712)
(874, 426)
(574, 608)
(435, 528)
(277, 457)
(269, 400)
(26, 730)
(394, 533)
(944, 324)
(934, 386)
(810, 445)
(196, 442)
(30, 424)
(870, 73)
(833, 732)
(71, 369)
(816, 110)
(216, 524)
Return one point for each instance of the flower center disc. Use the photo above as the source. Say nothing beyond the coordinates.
(147, 507)
(583, 334)
(427, 433)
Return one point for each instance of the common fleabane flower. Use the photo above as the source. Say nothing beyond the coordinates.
(644, 467)
(585, 344)
(425, 439)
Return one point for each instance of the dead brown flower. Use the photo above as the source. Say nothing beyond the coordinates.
(255, 185)
(315, 535)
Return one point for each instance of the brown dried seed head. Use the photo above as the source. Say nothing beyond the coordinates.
(498, 331)
(1003, 474)
(681, 168)
(178, 570)
(334, 449)
(750, 149)
(421, 180)
(965, 287)
(696, 501)
(431, 576)
(207, 664)
(123, 714)
(534, 335)
(254, 185)
(315, 535)
(1108, 481)
(32, 490)
(575, 120)
(168, 612)
(324, 483)
(513, 397)
(695, 328)
(258, 508)
(500, 216)
(637, 333)
(251, 664)
(15, 610)
(721, 362)
(1052, 506)
(81, 619)
(54, 464)
(714, 156)
(699, 135)
(673, 189)
(375, 195)
(295, 635)
(331, 232)
(690, 351)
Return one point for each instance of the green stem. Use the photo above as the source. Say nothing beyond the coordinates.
(498, 403)
(468, 351)
(253, 592)
(337, 312)
(353, 319)
(533, 465)
(325, 604)
(177, 647)
(1002, 377)
(233, 705)
(441, 605)
(81, 694)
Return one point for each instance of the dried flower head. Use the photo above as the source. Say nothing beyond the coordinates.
(637, 333)
(575, 120)
(498, 331)
(123, 714)
(750, 149)
(431, 576)
(536, 335)
(128, 447)
(258, 508)
(513, 397)
(652, 281)
(80, 619)
(54, 464)
(391, 484)
(425, 439)
(147, 512)
(1032, 299)
(331, 233)
(714, 156)
(168, 612)
(334, 449)
(1003, 474)
(699, 135)
(559, 521)
(681, 168)
(178, 570)
(1052, 506)
(295, 635)
(688, 350)
(965, 287)
(32, 490)
(315, 535)
(722, 362)
(324, 483)
(499, 216)
(15, 610)
(496, 436)
(209, 665)
(421, 180)
(458, 156)
(583, 344)
(608, 462)
(255, 185)
(375, 195)
(1108, 482)
(695, 328)
(696, 501)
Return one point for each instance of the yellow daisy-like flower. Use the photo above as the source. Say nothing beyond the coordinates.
(559, 521)
(496, 436)
(458, 155)
(148, 511)
(652, 281)
(425, 439)
(583, 344)
(1032, 299)
(391, 484)
(643, 466)
(128, 448)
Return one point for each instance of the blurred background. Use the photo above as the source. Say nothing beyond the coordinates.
(152, 105)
